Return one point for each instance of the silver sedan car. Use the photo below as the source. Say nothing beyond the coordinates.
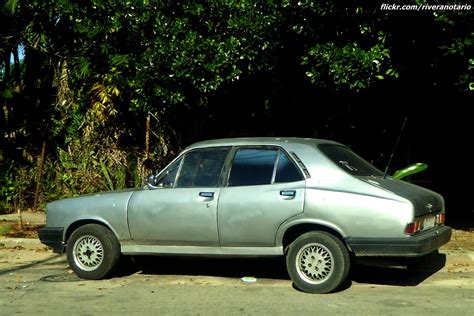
(313, 201)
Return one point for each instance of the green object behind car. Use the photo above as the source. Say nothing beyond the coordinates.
(412, 169)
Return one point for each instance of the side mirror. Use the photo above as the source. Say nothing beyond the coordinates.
(152, 180)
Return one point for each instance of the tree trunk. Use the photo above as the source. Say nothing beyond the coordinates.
(147, 137)
(147, 163)
(39, 177)
(62, 78)
(4, 106)
(17, 70)
(7, 66)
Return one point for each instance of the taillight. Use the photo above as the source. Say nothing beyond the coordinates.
(424, 223)
(413, 227)
(440, 218)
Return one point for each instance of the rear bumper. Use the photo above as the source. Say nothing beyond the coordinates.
(52, 237)
(413, 246)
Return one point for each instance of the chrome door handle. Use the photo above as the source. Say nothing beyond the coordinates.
(206, 194)
(288, 193)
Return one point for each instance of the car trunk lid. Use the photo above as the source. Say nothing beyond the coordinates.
(424, 201)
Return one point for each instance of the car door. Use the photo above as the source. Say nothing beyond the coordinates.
(264, 188)
(182, 208)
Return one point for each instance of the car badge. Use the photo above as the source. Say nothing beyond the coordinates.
(429, 206)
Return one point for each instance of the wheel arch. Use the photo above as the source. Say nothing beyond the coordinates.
(293, 232)
(81, 222)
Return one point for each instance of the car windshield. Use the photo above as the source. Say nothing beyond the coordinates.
(347, 160)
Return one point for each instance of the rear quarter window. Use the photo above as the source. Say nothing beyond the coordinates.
(348, 161)
(286, 170)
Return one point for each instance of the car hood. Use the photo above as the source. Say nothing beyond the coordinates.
(424, 201)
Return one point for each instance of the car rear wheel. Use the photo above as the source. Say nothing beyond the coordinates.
(93, 252)
(317, 262)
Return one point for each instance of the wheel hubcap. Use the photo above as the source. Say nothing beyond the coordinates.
(314, 263)
(88, 253)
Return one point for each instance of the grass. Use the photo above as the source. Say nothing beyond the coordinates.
(5, 229)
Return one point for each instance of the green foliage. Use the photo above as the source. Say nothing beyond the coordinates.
(458, 41)
(103, 167)
(85, 168)
(348, 66)
(7, 186)
(16, 185)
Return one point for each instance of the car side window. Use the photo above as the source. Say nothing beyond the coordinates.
(252, 166)
(286, 170)
(168, 177)
(201, 168)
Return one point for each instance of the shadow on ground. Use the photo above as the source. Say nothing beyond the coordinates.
(231, 268)
(397, 272)
(393, 272)
(50, 260)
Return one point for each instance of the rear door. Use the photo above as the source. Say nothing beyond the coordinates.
(264, 188)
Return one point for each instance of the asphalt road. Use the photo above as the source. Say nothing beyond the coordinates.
(39, 282)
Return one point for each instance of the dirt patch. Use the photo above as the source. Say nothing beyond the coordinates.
(26, 226)
(16, 230)
(461, 240)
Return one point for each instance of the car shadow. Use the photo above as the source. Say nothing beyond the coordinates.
(268, 268)
(48, 261)
(397, 272)
(394, 272)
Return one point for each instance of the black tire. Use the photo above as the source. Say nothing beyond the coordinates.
(93, 252)
(317, 262)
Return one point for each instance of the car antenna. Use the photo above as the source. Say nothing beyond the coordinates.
(395, 147)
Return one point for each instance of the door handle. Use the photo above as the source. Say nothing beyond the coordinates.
(208, 195)
(288, 193)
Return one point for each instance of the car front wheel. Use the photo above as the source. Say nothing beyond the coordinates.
(317, 262)
(93, 252)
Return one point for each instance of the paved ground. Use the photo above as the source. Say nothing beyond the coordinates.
(33, 281)
(37, 281)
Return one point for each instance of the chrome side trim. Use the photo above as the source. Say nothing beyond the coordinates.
(200, 250)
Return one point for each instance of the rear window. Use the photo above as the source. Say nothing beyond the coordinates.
(347, 160)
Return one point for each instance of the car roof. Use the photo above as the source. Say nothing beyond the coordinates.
(272, 141)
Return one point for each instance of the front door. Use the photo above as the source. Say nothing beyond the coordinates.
(182, 209)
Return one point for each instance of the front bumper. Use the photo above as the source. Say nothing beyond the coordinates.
(413, 246)
(52, 237)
